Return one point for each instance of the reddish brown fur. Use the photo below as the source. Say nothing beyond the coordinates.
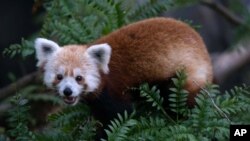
(70, 57)
(153, 50)
(147, 51)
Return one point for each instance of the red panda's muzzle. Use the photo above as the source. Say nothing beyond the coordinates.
(70, 100)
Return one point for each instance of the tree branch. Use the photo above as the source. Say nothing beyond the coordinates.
(231, 17)
(226, 63)
(19, 84)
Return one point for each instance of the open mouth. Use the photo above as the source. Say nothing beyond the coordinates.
(70, 100)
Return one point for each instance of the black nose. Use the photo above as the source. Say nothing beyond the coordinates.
(67, 91)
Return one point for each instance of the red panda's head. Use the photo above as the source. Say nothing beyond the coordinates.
(74, 69)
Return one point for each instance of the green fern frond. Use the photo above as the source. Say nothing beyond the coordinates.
(235, 101)
(152, 95)
(208, 117)
(25, 49)
(80, 131)
(120, 127)
(84, 26)
(55, 100)
(30, 93)
(179, 133)
(19, 120)
(217, 128)
(227, 104)
(74, 121)
(178, 96)
(69, 114)
(201, 113)
(148, 129)
(54, 135)
(149, 8)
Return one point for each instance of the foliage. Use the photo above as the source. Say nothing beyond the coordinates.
(70, 124)
(242, 31)
(18, 120)
(25, 49)
(178, 96)
(120, 127)
(82, 21)
(209, 119)
(94, 18)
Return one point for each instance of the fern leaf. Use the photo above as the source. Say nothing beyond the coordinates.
(119, 127)
(68, 115)
(178, 98)
(179, 132)
(148, 129)
(152, 95)
(19, 119)
(149, 8)
(25, 49)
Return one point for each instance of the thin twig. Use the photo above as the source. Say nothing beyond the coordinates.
(221, 9)
(22, 82)
(209, 95)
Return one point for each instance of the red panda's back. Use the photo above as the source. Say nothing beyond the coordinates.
(152, 50)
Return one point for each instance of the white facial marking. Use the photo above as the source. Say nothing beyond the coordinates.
(49, 77)
(61, 70)
(50, 73)
(92, 81)
(69, 82)
(77, 72)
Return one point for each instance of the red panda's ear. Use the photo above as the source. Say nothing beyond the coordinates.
(101, 54)
(44, 50)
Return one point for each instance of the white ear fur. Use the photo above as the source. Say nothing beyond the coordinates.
(45, 49)
(101, 54)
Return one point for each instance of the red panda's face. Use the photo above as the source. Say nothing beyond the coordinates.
(74, 69)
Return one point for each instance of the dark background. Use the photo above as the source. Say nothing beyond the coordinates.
(17, 22)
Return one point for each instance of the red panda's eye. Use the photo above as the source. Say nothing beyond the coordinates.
(78, 78)
(59, 77)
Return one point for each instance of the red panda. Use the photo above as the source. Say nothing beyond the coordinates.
(150, 50)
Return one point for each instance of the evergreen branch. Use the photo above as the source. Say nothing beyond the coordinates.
(55, 100)
(53, 135)
(178, 98)
(148, 129)
(25, 49)
(68, 115)
(19, 119)
(150, 8)
(153, 95)
(214, 104)
(180, 132)
(120, 127)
